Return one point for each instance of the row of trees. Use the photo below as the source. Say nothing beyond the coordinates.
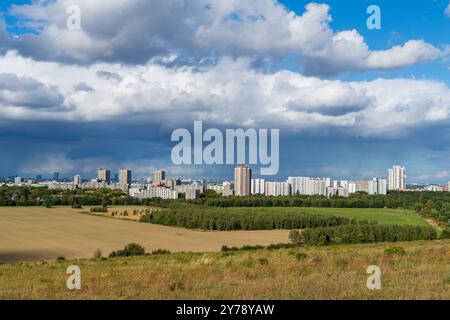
(225, 220)
(394, 199)
(365, 233)
(33, 196)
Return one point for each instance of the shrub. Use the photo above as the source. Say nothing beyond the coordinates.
(445, 233)
(97, 254)
(99, 209)
(294, 236)
(61, 258)
(132, 249)
(301, 256)
(249, 248)
(226, 249)
(161, 251)
(281, 246)
(395, 251)
(76, 206)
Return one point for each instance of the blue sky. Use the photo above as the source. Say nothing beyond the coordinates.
(110, 94)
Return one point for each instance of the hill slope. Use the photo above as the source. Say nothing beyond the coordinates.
(335, 272)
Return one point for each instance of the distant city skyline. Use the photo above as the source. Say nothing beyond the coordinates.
(395, 176)
(242, 185)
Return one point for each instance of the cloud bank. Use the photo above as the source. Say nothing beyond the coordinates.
(132, 32)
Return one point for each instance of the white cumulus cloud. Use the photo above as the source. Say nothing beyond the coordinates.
(230, 93)
(137, 31)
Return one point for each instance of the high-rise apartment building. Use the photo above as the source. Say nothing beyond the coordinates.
(242, 180)
(299, 185)
(276, 189)
(309, 186)
(397, 178)
(124, 177)
(447, 186)
(103, 175)
(258, 186)
(377, 186)
(159, 177)
(77, 180)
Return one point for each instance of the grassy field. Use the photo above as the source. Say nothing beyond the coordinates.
(383, 216)
(336, 272)
(37, 233)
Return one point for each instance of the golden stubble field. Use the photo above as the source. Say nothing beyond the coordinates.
(37, 233)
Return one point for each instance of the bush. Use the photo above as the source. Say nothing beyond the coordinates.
(61, 258)
(99, 209)
(395, 251)
(226, 249)
(301, 256)
(76, 206)
(363, 234)
(281, 246)
(161, 251)
(445, 233)
(132, 249)
(294, 236)
(97, 254)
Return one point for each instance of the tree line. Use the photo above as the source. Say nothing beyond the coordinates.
(35, 196)
(226, 220)
(361, 233)
(394, 199)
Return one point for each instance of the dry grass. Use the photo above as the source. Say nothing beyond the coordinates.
(336, 272)
(133, 213)
(37, 233)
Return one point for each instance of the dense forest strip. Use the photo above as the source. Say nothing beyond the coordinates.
(363, 233)
(195, 217)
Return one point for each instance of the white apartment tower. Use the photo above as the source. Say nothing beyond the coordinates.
(276, 189)
(309, 186)
(242, 180)
(77, 180)
(104, 175)
(258, 186)
(397, 178)
(125, 177)
(159, 177)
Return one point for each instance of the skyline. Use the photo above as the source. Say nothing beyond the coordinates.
(394, 173)
(110, 95)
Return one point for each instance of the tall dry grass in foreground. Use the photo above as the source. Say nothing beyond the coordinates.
(335, 272)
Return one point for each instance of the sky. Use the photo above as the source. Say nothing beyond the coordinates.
(350, 102)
